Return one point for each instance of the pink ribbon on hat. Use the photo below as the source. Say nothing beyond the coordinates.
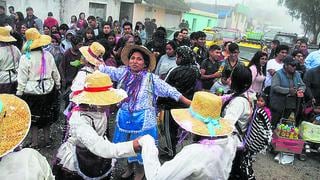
(93, 55)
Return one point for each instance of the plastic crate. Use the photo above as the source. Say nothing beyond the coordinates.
(282, 144)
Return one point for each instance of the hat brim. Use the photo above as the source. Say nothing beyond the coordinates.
(7, 39)
(104, 98)
(88, 57)
(195, 126)
(15, 126)
(42, 41)
(127, 49)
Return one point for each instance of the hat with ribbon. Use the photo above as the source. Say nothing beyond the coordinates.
(203, 116)
(98, 91)
(35, 39)
(129, 48)
(93, 53)
(5, 35)
(15, 122)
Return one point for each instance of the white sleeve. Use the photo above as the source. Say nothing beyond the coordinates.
(235, 109)
(28, 164)
(55, 73)
(174, 169)
(195, 161)
(79, 81)
(23, 75)
(83, 131)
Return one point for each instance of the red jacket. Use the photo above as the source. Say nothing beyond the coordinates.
(50, 21)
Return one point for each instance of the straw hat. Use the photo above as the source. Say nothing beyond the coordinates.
(15, 121)
(98, 91)
(127, 49)
(203, 116)
(5, 35)
(35, 39)
(93, 53)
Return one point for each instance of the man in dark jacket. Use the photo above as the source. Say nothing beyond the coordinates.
(4, 19)
(287, 86)
(30, 18)
(312, 81)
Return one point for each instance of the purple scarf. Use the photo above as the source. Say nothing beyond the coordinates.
(132, 84)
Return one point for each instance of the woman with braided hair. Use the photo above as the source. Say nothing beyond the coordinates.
(238, 109)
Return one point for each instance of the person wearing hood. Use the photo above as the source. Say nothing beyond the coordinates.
(66, 43)
(184, 78)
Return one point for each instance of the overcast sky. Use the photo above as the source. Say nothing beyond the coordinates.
(266, 10)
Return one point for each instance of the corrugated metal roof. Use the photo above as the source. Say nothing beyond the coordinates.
(178, 5)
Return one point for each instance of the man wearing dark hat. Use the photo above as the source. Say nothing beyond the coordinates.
(287, 86)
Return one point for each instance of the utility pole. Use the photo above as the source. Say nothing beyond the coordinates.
(61, 10)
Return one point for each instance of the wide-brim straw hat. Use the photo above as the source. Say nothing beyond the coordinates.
(128, 48)
(203, 116)
(5, 35)
(98, 91)
(35, 39)
(93, 53)
(15, 122)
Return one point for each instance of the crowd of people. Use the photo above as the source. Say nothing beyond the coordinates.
(97, 67)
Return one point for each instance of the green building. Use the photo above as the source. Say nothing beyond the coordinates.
(198, 20)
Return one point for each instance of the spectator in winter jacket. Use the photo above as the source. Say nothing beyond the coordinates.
(30, 18)
(50, 21)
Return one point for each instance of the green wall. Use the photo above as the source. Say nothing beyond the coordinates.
(199, 22)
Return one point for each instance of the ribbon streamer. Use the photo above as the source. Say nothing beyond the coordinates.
(211, 123)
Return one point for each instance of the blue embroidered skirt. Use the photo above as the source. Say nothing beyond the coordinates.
(129, 126)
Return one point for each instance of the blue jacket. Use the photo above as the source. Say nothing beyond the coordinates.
(279, 96)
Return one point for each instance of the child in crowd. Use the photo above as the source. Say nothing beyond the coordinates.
(219, 92)
(262, 103)
(223, 83)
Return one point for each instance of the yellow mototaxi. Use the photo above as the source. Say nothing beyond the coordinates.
(214, 37)
(248, 48)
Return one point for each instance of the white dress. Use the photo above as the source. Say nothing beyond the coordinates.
(83, 135)
(27, 164)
